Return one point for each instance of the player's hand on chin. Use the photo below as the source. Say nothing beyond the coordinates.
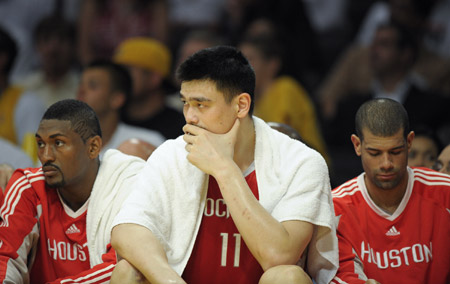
(208, 151)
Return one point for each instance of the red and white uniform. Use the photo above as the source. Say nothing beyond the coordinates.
(410, 246)
(220, 255)
(41, 239)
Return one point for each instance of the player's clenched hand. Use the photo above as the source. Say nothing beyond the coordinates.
(208, 151)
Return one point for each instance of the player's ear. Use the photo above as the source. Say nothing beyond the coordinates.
(409, 139)
(94, 146)
(356, 144)
(242, 104)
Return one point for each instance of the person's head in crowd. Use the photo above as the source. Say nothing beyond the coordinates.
(8, 53)
(137, 147)
(443, 161)
(382, 140)
(393, 50)
(424, 149)
(106, 87)
(286, 129)
(194, 41)
(148, 61)
(69, 142)
(221, 74)
(55, 41)
(265, 55)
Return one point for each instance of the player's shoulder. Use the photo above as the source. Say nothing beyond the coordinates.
(346, 190)
(427, 179)
(347, 194)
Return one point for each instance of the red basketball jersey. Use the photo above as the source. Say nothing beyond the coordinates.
(220, 254)
(410, 246)
(42, 237)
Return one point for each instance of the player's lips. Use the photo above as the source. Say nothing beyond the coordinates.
(386, 176)
(50, 171)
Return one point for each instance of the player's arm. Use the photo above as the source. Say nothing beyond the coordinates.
(350, 265)
(18, 229)
(140, 248)
(272, 243)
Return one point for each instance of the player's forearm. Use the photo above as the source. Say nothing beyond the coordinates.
(143, 250)
(268, 240)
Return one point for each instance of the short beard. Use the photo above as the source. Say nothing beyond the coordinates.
(60, 184)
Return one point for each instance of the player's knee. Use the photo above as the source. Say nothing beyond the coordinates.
(287, 274)
(124, 272)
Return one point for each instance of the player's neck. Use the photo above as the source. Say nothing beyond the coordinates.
(244, 152)
(387, 199)
(77, 194)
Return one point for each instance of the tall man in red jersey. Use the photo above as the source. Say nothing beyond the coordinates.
(232, 200)
(52, 216)
(393, 220)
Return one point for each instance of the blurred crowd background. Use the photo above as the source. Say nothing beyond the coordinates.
(315, 61)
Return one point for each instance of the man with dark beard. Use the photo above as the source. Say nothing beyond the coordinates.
(53, 217)
(393, 220)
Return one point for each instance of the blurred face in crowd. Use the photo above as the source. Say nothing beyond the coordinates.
(56, 54)
(423, 152)
(266, 69)
(385, 55)
(384, 159)
(443, 161)
(95, 90)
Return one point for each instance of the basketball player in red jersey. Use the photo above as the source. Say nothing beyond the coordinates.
(394, 221)
(232, 200)
(43, 233)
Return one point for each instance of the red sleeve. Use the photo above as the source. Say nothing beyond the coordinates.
(18, 227)
(350, 267)
(100, 273)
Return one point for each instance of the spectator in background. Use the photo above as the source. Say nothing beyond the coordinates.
(425, 148)
(193, 41)
(353, 72)
(106, 87)
(290, 24)
(20, 18)
(20, 111)
(393, 221)
(281, 98)
(105, 24)
(443, 161)
(149, 62)
(56, 78)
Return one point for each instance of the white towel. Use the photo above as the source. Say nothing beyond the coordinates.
(293, 184)
(110, 189)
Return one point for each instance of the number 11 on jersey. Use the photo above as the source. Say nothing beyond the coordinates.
(237, 249)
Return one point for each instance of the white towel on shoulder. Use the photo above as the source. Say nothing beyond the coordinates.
(110, 189)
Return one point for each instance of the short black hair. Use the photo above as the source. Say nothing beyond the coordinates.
(382, 117)
(224, 65)
(82, 117)
(8, 46)
(54, 26)
(119, 76)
